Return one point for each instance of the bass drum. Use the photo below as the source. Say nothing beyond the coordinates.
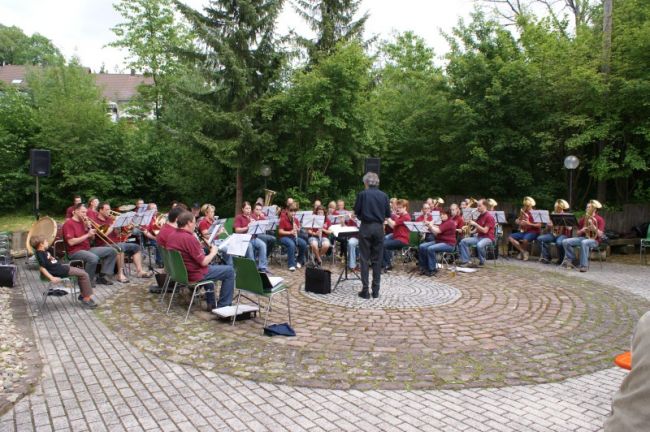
(46, 227)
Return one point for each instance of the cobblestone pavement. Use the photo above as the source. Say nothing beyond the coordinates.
(95, 379)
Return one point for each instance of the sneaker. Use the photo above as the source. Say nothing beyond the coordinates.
(292, 268)
(526, 256)
(520, 256)
(544, 261)
(583, 269)
(431, 273)
(88, 304)
(298, 265)
(101, 280)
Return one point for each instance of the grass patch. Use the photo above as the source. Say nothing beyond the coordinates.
(16, 222)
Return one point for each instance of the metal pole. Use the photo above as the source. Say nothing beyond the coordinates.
(38, 213)
(571, 188)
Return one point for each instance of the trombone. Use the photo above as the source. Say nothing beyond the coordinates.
(101, 233)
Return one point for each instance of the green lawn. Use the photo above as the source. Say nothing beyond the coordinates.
(16, 222)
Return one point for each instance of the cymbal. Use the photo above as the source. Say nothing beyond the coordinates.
(126, 207)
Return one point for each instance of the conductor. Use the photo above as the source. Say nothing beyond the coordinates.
(371, 208)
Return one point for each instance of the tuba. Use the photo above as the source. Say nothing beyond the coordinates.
(268, 197)
(591, 227)
(528, 203)
(466, 230)
(437, 202)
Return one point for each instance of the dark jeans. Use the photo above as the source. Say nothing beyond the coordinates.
(225, 274)
(371, 247)
(389, 246)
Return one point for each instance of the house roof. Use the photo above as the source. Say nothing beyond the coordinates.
(114, 87)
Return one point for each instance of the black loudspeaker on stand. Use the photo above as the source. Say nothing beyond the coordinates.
(39, 166)
(372, 165)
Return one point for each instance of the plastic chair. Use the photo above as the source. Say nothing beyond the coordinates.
(248, 279)
(180, 278)
(72, 280)
(165, 256)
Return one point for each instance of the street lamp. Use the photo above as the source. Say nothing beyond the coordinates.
(571, 163)
(265, 170)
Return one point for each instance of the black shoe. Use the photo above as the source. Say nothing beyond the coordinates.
(432, 273)
(101, 280)
(155, 289)
(364, 295)
(88, 304)
(375, 294)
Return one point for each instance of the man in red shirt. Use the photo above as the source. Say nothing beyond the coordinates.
(586, 240)
(76, 202)
(77, 236)
(401, 234)
(528, 229)
(170, 227)
(445, 241)
(198, 264)
(288, 233)
(485, 235)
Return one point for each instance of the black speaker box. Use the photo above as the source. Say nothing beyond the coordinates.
(318, 281)
(39, 163)
(372, 164)
(7, 275)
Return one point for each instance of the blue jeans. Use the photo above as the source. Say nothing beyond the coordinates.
(226, 274)
(586, 246)
(528, 236)
(481, 247)
(390, 244)
(257, 246)
(353, 248)
(269, 240)
(545, 239)
(291, 243)
(427, 254)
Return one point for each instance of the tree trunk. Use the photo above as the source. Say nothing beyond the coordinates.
(605, 70)
(239, 193)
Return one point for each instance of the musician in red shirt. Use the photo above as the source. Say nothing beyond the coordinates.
(591, 230)
(556, 235)
(131, 249)
(198, 264)
(288, 233)
(528, 229)
(256, 245)
(76, 201)
(427, 216)
(485, 225)
(401, 233)
(318, 240)
(266, 237)
(456, 215)
(445, 241)
(77, 234)
(170, 226)
(93, 207)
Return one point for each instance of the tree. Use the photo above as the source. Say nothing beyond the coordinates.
(153, 37)
(19, 49)
(239, 65)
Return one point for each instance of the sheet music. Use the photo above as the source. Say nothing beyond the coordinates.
(313, 221)
(302, 214)
(257, 227)
(214, 229)
(540, 216)
(339, 229)
(499, 216)
(272, 223)
(123, 220)
(416, 227)
(238, 244)
(470, 214)
(275, 280)
(435, 217)
(269, 211)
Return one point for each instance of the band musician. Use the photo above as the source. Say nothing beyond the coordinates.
(256, 245)
(445, 241)
(556, 235)
(401, 234)
(591, 229)
(528, 229)
(484, 226)
(288, 230)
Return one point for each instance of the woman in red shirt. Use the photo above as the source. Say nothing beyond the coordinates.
(445, 242)
(288, 233)
(318, 240)
(401, 234)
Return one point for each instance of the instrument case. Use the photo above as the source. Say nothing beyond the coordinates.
(318, 281)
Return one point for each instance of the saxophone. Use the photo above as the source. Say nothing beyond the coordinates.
(591, 227)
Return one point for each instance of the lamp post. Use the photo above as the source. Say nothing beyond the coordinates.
(571, 163)
(265, 170)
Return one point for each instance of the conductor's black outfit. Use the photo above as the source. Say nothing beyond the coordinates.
(371, 208)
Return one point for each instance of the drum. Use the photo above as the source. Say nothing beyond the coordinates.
(46, 227)
(125, 208)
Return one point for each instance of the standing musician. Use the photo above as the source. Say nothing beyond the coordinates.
(528, 229)
(401, 233)
(77, 234)
(556, 235)
(445, 241)
(591, 229)
(76, 200)
(256, 244)
(265, 237)
(318, 240)
(484, 226)
(288, 232)
(105, 220)
(198, 264)
(170, 226)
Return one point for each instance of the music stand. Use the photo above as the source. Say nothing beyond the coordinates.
(540, 216)
(418, 227)
(313, 221)
(564, 219)
(257, 227)
(269, 211)
(499, 216)
(343, 234)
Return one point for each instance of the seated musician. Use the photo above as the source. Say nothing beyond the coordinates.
(149, 233)
(318, 240)
(456, 215)
(77, 234)
(351, 246)
(400, 235)
(528, 229)
(288, 232)
(556, 235)
(331, 208)
(202, 227)
(267, 238)
(196, 211)
(427, 217)
(445, 241)
(170, 226)
(591, 229)
(130, 249)
(198, 264)
(317, 203)
(484, 226)
(93, 207)
(76, 200)
(388, 230)
(256, 245)
(54, 271)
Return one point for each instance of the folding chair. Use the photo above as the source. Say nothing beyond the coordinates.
(46, 277)
(180, 278)
(248, 279)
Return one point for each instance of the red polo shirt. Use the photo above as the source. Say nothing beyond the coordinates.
(241, 221)
(285, 224)
(400, 232)
(68, 212)
(205, 224)
(460, 222)
(191, 251)
(421, 218)
(600, 222)
(530, 229)
(73, 229)
(164, 234)
(99, 220)
(447, 232)
(486, 220)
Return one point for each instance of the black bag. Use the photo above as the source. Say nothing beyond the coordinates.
(318, 281)
(8, 275)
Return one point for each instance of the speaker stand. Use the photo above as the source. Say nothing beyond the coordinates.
(37, 210)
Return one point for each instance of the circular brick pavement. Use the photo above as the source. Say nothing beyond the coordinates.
(398, 291)
(510, 326)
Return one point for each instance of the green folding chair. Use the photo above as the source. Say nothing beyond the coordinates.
(165, 256)
(248, 279)
(72, 280)
(179, 276)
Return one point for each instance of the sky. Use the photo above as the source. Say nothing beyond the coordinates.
(82, 27)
